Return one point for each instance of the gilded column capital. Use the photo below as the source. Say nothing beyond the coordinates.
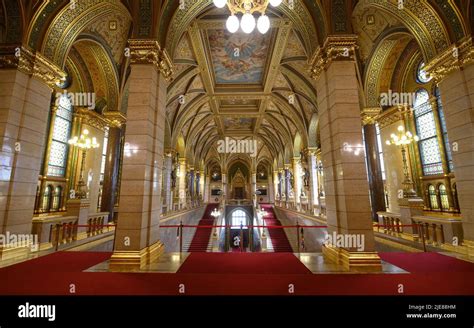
(369, 115)
(115, 119)
(169, 152)
(454, 58)
(310, 151)
(31, 63)
(149, 52)
(335, 48)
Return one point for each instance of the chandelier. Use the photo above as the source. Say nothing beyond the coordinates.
(247, 8)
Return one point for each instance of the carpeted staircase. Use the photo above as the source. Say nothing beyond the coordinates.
(200, 241)
(278, 236)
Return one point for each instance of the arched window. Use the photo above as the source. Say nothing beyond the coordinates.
(47, 198)
(443, 195)
(239, 217)
(426, 131)
(444, 129)
(421, 76)
(433, 198)
(61, 134)
(57, 199)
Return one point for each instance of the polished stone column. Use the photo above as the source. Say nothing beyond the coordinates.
(167, 171)
(182, 182)
(345, 175)
(287, 182)
(271, 188)
(112, 166)
(373, 163)
(207, 188)
(136, 239)
(254, 188)
(297, 181)
(224, 187)
(313, 181)
(456, 85)
(191, 184)
(25, 89)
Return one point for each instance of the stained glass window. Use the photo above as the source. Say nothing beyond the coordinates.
(421, 75)
(60, 136)
(426, 131)
(433, 198)
(442, 120)
(443, 195)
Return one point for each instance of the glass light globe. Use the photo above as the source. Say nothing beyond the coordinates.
(275, 3)
(232, 24)
(247, 24)
(263, 24)
(220, 3)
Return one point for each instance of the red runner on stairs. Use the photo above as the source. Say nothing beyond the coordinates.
(201, 236)
(277, 235)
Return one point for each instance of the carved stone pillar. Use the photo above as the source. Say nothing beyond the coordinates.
(26, 83)
(455, 77)
(313, 180)
(182, 182)
(136, 241)
(345, 176)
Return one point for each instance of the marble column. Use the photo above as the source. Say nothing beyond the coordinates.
(254, 188)
(224, 187)
(287, 182)
(456, 84)
(276, 183)
(313, 180)
(182, 182)
(377, 196)
(25, 89)
(136, 239)
(111, 173)
(271, 187)
(345, 175)
(167, 171)
(297, 181)
(207, 188)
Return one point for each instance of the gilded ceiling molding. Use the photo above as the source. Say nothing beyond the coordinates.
(454, 58)
(69, 23)
(392, 115)
(149, 52)
(374, 70)
(421, 19)
(369, 115)
(335, 48)
(31, 63)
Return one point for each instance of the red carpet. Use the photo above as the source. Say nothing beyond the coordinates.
(34, 278)
(427, 262)
(243, 263)
(278, 236)
(201, 236)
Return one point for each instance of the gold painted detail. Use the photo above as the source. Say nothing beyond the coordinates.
(31, 63)
(454, 58)
(335, 48)
(370, 114)
(115, 119)
(149, 52)
(92, 118)
(392, 115)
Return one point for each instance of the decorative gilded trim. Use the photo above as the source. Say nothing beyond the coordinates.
(115, 119)
(392, 115)
(149, 52)
(31, 63)
(370, 114)
(454, 58)
(92, 118)
(335, 48)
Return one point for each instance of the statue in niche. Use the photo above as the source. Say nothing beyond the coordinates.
(305, 177)
(173, 178)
